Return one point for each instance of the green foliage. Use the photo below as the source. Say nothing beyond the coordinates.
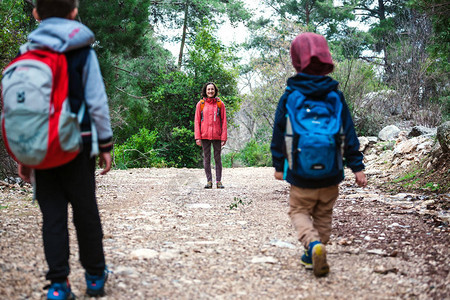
(437, 10)
(357, 78)
(238, 202)
(431, 186)
(132, 61)
(120, 27)
(181, 151)
(389, 145)
(409, 176)
(17, 22)
(210, 60)
(255, 153)
(172, 14)
(323, 15)
(139, 151)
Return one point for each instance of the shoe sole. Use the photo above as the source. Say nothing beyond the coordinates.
(70, 297)
(306, 265)
(99, 293)
(319, 258)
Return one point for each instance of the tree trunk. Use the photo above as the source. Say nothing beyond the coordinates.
(183, 38)
(382, 17)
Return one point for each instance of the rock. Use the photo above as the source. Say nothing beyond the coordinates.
(384, 270)
(389, 133)
(372, 140)
(386, 101)
(377, 252)
(443, 136)
(282, 244)
(198, 205)
(398, 225)
(144, 254)
(264, 259)
(169, 254)
(363, 143)
(421, 130)
(405, 147)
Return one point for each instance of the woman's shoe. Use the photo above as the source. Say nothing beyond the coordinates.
(220, 185)
(208, 185)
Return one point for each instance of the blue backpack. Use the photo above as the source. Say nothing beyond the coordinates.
(314, 135)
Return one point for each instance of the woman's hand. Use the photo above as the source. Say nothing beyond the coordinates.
(198, 142)
(223, 143)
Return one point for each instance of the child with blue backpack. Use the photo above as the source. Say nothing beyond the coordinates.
(73, 182)
(313, 138)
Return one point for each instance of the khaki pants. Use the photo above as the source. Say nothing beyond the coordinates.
(311, 211)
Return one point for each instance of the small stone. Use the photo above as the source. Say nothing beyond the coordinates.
(144, 254)
(264, 259)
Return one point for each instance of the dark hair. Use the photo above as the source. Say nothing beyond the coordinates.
(204, 89)
(55, 8)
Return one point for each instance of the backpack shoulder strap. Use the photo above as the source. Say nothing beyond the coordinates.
(202, 105)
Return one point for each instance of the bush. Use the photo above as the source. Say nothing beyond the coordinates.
(139, 151)
(181, 150)
(254, 154)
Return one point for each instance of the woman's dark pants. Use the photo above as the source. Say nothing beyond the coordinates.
(206, 145)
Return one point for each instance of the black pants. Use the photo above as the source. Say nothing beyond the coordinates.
(72, 183)
(206, 145)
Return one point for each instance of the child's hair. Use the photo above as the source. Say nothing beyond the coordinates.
(55, 8)
(204, 89)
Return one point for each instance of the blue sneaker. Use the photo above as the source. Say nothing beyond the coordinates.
(60, 291)
(317, 252)
(306, 260)
(96, 283)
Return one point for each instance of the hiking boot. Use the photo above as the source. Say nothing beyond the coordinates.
(60, 291)
(306, 260)
(317, 252)
(220, 185)
(96, 283)
(208, 185)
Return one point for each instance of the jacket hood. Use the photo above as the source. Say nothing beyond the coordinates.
(211, 100)
(310, 54)
(62, 35)
(315, 86)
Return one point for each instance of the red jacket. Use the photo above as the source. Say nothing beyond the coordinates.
(212, 127)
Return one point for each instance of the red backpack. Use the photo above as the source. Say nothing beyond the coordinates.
(38, 128)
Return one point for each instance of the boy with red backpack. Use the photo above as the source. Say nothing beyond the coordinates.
(313, 138)
(61, 182)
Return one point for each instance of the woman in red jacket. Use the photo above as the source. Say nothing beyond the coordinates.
(211, 128)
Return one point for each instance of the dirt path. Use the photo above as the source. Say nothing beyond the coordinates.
(168, 238)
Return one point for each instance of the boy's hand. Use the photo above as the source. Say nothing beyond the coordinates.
(25, 173)
(360, 179)
(278, 175)
(104, 162)
(198, 142)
